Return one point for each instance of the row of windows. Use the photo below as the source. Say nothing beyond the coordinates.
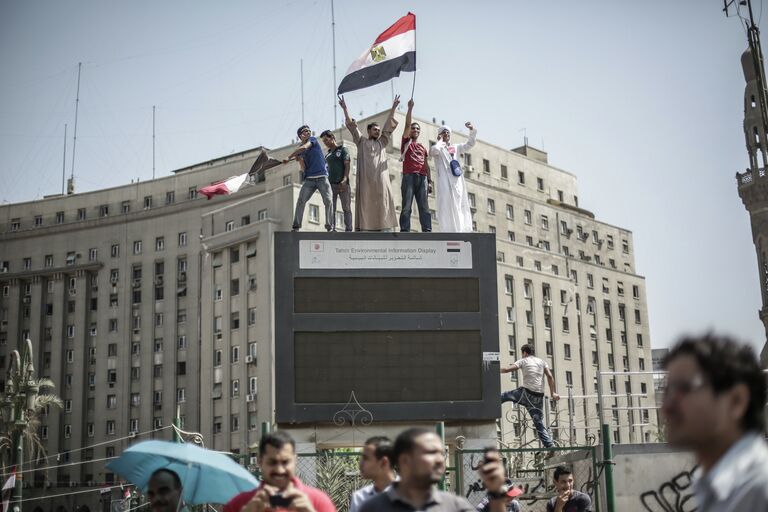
(104, 209)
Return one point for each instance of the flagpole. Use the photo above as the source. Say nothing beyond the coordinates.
(413, 88)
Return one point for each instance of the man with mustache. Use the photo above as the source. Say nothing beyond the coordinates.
(280, 489)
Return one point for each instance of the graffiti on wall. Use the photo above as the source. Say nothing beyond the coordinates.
(674, 495)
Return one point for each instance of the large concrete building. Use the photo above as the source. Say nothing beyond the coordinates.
(146, 299)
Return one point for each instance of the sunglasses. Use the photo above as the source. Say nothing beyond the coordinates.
(682, 387)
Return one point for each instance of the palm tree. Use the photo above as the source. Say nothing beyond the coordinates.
(24, 393)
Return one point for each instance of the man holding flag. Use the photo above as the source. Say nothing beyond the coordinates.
(374, 204)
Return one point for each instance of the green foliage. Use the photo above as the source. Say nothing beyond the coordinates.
(33, 445)
(339, 477)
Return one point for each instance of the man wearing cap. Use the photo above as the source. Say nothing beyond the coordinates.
(338, 174)
(512, 504)
(453, 212)
(416, 180)
(374, 202)
(315, 176)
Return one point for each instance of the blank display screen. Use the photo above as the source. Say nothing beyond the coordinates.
(388, 366)
(386, 295)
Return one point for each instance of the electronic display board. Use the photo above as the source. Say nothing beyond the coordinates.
(406, 322)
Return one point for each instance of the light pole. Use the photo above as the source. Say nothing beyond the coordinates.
(21, 393)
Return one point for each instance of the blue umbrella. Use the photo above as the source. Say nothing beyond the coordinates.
(207, 476)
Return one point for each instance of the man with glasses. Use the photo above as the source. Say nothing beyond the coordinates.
(416, 180)
(714, 405)
(315, 176)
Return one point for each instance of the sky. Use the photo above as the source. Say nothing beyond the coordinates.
(642, 101)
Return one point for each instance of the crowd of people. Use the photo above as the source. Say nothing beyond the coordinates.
(374, 200)
(713, 405)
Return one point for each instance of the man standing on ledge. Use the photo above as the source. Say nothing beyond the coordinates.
(417, 179)
(338, 174)
(315, 176)
(374, 203)
(453, 211)
(531, 394)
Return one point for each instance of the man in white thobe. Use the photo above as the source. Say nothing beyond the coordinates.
(453, 211)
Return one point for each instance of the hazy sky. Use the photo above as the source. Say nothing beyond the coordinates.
(641, 100)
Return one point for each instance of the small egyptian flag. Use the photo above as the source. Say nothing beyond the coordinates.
(8, 490)
(235, 183)
(392, 52)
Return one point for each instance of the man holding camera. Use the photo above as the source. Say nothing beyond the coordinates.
(280, 489)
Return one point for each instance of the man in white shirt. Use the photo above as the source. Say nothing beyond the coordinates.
(531, 394)
(713, 405)
(375, 464)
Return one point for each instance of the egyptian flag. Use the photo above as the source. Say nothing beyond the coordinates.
(392, 52)
(226, 187)
(235, 183)
(10, 484)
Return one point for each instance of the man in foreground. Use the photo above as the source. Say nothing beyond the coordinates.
(280, 489)
(714, 405)
(568, 499)
(420, 457)
(375, 465)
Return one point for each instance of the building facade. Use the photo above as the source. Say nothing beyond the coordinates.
(752, 184)
(146, 302)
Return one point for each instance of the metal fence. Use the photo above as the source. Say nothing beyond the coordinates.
(531, 469)
(338, 475)
(335, 472)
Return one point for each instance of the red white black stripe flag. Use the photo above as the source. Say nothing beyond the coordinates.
(392, 52)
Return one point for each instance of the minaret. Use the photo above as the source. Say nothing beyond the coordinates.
(753, 183)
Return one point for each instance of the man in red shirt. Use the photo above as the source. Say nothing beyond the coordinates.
(416, 180)
(280, 489)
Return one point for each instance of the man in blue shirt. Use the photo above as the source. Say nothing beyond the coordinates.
(315, 176)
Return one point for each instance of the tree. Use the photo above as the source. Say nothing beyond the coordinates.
(34, 398)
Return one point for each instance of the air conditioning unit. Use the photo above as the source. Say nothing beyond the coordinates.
(3, 270)
(547, 303)
(114, 279)
(249, 359)
(568, 232)
(26, 300)
(159, 279)
(469, 169)
(218, 335)
(137, 283)
(252, 461)
(73, 292)
(132, 434)
(250, 398)
(182, 276)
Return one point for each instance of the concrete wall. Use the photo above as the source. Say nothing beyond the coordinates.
(653, 478)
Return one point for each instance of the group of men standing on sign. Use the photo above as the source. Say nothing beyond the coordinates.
(374, 199)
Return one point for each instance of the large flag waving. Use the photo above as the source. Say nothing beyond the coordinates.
(392, 52)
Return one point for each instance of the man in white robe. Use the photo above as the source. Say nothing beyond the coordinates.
(453, 211)
(374, 201)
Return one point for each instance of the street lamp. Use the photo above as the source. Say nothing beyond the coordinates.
(20, 396)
